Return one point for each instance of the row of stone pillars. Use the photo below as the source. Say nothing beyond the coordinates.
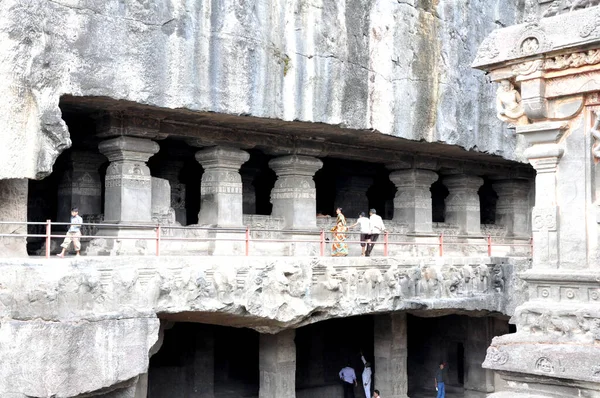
(128, 195)
(277, 361)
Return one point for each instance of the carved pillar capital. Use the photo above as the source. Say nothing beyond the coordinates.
(128, 195)
(412, 204)
(221, 186)
(219, 157)
(462, 204)
(294, 195)
(296, 165)
(128, 149)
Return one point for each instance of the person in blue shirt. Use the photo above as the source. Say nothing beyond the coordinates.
(348, 377)
(441, 377)
(73, 234)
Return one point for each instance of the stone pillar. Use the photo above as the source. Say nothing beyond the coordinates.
(462, 203)
(277, 364)
(391, 355)
(477, 378)
(352, 195)
(221, 189)
(294, 195)
(13, 207)
(512, 208)
(128, 195)
(81, 186)
(412, 204)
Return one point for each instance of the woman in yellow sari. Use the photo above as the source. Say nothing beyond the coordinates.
(339, 247)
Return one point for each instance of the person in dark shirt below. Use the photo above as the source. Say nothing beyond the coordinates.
(441, 377)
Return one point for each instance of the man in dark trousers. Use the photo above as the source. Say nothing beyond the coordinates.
(441, 377)
(348, 377)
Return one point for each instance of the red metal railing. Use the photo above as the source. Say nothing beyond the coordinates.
(158, 236)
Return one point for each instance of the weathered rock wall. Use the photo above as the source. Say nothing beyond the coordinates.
(399, 67)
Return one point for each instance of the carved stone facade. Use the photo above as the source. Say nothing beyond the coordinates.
(558, 327)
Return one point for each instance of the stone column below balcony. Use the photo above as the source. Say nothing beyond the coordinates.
(462, 203)
(277, 365)
(512, 208)
(412, 204)
(351, 195)
(294, 195)
(391, 353)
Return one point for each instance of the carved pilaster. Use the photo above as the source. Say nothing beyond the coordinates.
(294, 195)
(545, 154)
(412, 204)
(128, 196)
(462, 204)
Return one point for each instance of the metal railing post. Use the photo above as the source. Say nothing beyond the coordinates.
(247, 241)
(158, 240)
(442, 244)
(385, 243)
(322, 243)
(531, 245)
(489, 245)
(48, 235)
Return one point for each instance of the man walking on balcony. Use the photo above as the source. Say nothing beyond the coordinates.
(348, 378)
(73, 234)
(377, 228)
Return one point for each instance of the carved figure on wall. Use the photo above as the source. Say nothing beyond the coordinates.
(225, 283)
(508, 104)
(553, 10)
(452, 280)
(596, 134)
(430, 284)
(466, 285)
(583, 4)
(483, 273)
(498, 278)
(330, 281)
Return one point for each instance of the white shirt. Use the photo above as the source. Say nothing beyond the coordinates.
(366, 375)
(377, 226)
(365, 225)
(347, 374)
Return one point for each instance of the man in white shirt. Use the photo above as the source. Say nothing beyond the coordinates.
(348, 378)
(365, 230)
(377, 228)
(366, 376)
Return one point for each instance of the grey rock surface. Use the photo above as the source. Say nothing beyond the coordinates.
(398, 67)
(65, 359)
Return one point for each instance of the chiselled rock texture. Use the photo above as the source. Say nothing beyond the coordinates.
(67, 359)
(393, 66)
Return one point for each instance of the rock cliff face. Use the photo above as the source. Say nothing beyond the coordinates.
(400, 67)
